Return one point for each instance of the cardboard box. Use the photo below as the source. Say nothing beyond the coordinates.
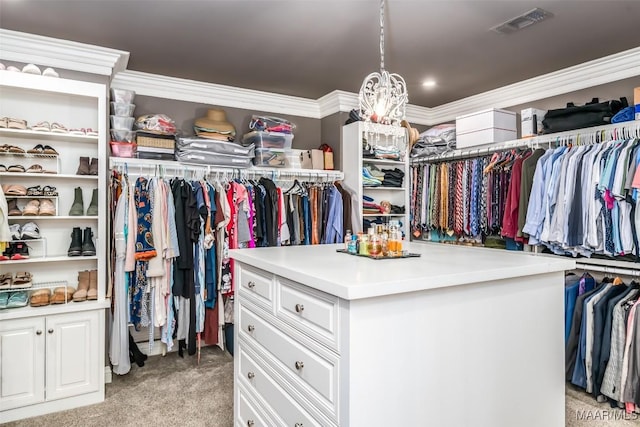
(485, 127)
(531, 121)
(636, 96)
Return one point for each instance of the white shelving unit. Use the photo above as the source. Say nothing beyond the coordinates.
(53, 356)
(353, 162)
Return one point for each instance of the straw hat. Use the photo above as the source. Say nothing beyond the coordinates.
(411, 132)
(216, 120)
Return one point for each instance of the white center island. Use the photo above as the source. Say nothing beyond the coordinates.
(457, 337)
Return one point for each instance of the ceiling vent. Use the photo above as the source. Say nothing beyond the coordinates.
(523, 21)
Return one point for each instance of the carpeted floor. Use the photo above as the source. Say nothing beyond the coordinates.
(173, 391)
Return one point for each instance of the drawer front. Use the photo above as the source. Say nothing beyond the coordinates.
(257, 285)
(248, 413)
(315, 371)
(313, 312)
(283, 405)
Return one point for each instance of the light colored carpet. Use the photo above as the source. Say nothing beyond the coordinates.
(171, 391)
(167, 391)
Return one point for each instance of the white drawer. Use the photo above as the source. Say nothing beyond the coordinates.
(249, 415)
(318, 373)
(258, 285)
(313, 312)
(271, 394)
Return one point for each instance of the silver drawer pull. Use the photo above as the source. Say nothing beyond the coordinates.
(299, 365)
(250, 423)
(50, 331)
(299, 308)
(250, 375)
(250, 285)
(38, 332)
(299, 425)
(251, 328)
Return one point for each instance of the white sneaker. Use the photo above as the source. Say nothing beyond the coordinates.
(30, 231)
(13, 69)
(31, 69)
(50, 72)
(15, 231)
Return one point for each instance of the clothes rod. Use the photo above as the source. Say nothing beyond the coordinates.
(592, 135)
(633, 272)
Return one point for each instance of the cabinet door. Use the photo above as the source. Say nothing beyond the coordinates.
(72, 354)
(21, 362)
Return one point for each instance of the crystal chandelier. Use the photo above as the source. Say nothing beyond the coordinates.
(383, 96)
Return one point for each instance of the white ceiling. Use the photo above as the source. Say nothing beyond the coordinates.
(309, 48)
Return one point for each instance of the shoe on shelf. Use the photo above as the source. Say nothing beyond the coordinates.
(93, 166)
(14, 210)
(84, 167)
(92, 210)
(50, 72)
(4, 300)
(36, 190)
(92, 293)
(20, 251)
(18, 299)
(47, 208)
(22, 281)
(6, 280)
(77, 208)
(15, 231)
(75, 249)
(40, 297)
(88, 248)
(31, 69)
(30, 231)
(83, 286)
(62, 295)
(8, 252)
(32, 208)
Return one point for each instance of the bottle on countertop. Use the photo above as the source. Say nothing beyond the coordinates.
(347, 240)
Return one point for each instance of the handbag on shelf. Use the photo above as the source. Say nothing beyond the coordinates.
(572, 117)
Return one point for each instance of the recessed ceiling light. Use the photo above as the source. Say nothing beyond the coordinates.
(429, 83)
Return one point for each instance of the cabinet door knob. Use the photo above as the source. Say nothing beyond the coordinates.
(299, 308)
(251, 328)
(50, 331)
(299, 425)
(250, 285)
(38, 332)
(250, 375)
(250, 423)
(299, 365)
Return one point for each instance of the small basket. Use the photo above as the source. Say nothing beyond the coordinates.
(145, 139)
(123, 149)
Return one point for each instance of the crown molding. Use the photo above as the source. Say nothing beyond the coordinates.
(600, 71)
(337, 101)
(214, 94)
(64, 54)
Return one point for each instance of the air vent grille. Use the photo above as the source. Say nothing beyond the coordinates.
(523, 21)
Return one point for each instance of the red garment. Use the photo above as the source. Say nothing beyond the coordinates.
(510, 216)
(211, 325)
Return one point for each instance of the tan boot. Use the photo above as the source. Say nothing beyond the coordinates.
(83, 286)
(92, 294)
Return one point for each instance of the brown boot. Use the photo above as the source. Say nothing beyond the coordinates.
(83, 167)
(92, 294)
(83, 285)
(93, 167)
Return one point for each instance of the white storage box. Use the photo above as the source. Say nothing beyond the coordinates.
(485, 127)
(531, 121)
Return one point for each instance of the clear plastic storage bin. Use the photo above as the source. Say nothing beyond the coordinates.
(270, 157)
(262, 140)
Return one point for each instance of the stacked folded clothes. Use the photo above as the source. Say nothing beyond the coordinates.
(213, 152)
(368, 180)
(387, 152)
(392, 177)
(369, 207)
(436, 140)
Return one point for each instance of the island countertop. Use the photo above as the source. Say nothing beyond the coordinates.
(352, 277)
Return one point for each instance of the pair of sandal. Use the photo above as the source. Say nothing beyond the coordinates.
(6, 148)
(13, 299)
(42, 149)
(49, 127)
(11, 123)
(32, 169)
(43, 207)
(14, 190)
(37, 190)
(21, 281)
